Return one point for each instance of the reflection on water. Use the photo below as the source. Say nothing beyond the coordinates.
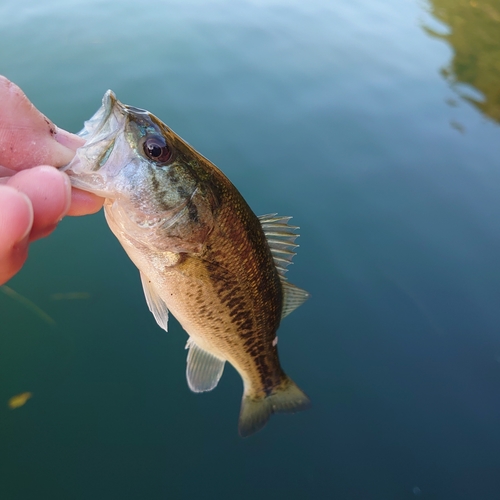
(474, 34)
(27, 304)
(70, 296)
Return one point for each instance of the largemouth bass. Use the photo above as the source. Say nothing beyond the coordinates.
(201, 252)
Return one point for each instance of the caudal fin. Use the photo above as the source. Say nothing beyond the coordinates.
(255, 413)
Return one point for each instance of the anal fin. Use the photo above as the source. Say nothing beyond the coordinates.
(203, 370)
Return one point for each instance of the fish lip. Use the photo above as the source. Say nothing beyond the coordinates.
(110, 105)
(109, 101)
(133, 109)
(99, 132)
(93, 131)
(94, 126)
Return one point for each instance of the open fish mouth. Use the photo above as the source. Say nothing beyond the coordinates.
(103, 135)
(108, 118)
(93, 125)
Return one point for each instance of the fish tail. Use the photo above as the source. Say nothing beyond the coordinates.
(255, 411)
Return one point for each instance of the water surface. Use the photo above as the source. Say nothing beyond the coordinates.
(376, 125)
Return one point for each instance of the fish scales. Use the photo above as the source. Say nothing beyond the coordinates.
(202, 253)
(246, 316)
(251, 304)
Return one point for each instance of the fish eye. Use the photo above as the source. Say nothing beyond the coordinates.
(156, 149)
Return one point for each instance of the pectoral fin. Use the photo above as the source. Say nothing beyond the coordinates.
(204, 370)
(155, 303)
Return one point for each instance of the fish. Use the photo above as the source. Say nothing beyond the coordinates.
(201, 252)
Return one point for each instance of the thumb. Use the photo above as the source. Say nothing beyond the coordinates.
(16, 220)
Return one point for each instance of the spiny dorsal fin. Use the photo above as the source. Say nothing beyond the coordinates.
(281, 239)
(203, 370)
(155, 303)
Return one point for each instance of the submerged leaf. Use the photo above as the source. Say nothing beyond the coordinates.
(70, 296)
(19, 400)
(27, 303)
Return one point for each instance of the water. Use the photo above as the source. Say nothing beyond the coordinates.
(376, 125)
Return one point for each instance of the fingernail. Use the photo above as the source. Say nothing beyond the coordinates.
(32, 215)
(67, 185)
(68, 139)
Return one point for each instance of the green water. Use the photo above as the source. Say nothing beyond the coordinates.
(376, 125)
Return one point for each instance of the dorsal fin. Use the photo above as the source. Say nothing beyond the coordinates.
(281, 239)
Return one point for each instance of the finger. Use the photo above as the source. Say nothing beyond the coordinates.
(27, 137)
(16, 219)
(84, 203)
(6, 172)
(50, 193)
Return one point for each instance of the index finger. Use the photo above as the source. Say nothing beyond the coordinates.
(27, 137)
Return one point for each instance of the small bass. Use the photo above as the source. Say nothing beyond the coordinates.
(201, 252)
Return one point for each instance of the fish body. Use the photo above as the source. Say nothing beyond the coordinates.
(201, 252)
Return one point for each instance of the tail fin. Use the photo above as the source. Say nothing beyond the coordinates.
(254, 413)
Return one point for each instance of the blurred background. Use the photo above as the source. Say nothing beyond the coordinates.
(377, 126)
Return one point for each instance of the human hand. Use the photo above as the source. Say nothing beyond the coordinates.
(34, 195)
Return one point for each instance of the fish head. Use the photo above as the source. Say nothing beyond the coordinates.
(149, 176)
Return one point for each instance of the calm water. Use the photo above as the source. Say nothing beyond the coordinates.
(376, 125)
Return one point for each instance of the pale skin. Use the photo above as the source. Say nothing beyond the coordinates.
(34, 195)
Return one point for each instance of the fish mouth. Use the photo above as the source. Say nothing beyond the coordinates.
(110, 111)
(101, 132)
(94, 125)
(106, 122)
